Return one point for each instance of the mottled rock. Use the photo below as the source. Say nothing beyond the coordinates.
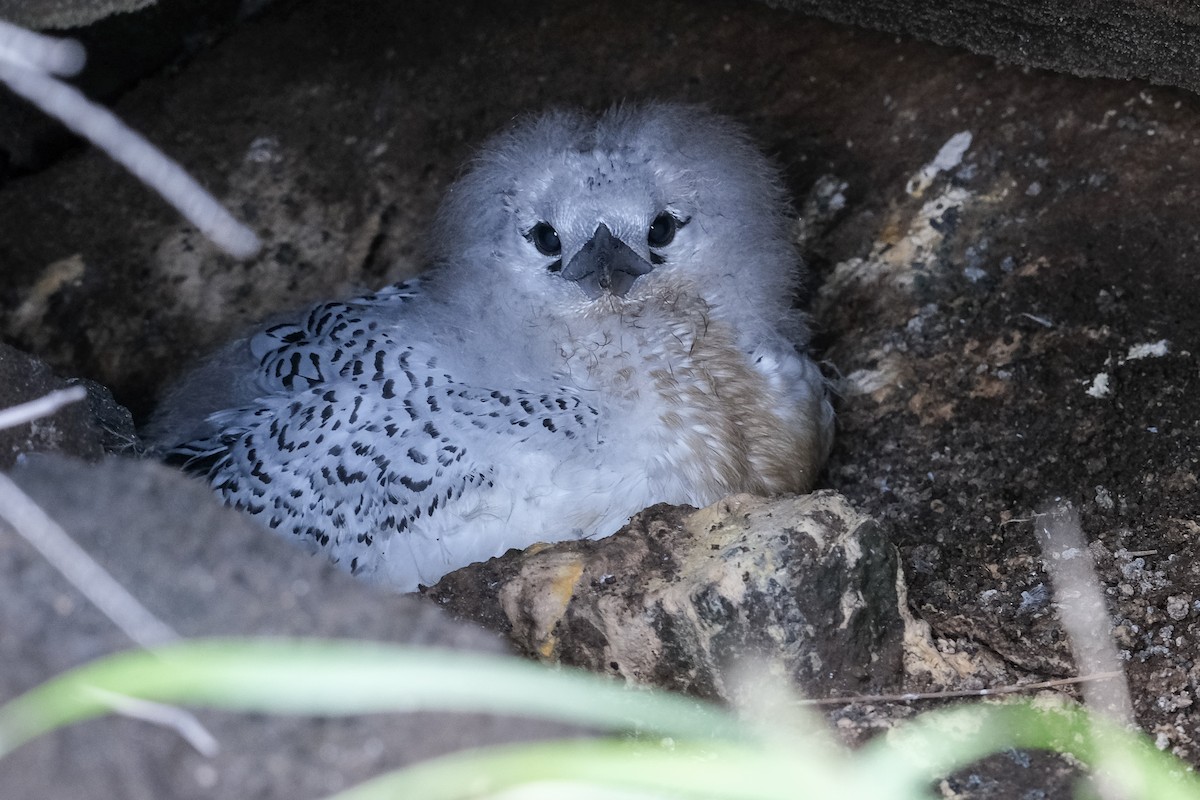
(685, 599)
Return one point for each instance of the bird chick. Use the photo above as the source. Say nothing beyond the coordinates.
(607, 324)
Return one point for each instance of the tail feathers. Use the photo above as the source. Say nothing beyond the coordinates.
(201, 457)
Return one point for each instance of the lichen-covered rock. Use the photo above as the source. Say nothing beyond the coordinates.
(686, 599)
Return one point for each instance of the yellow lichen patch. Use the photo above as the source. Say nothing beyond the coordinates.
(563, 586)
(561, 590)
(538, 613)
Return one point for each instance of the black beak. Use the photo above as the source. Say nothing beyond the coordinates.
(605, 264)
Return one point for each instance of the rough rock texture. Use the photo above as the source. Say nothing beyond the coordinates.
(1015, 330)
(72, 430)
(687, 599)
(1149, 39)
(64, 13)
(204, 570)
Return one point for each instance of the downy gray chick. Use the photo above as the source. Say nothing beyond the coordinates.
(607, 324)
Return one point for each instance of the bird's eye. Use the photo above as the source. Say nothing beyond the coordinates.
(662, 230)
(545, 239)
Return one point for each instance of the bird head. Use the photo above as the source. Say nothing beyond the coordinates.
(569, 214)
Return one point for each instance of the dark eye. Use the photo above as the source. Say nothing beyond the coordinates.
(662, 230)
(545, 239)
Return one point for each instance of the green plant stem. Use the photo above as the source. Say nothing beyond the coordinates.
(692, 771)
(329, 677)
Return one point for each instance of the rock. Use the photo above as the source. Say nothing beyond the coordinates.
(65, 13)
(73, 429)
(205, 570)
(686, 599)
(1152, 40)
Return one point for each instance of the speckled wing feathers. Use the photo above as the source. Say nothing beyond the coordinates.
(349, 460)
(296, 355)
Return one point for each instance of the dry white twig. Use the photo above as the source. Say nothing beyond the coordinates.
(181, 721)
(45, 53)
(27, 64)
(43, 406)
(34, 525)
(951, 694)
(1084, 615)
(1083, 611)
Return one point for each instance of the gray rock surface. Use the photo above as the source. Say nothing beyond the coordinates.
(42, 14)
(1153, 40)
(205, 571)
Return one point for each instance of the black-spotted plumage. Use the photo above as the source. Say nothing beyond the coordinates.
(368, 437)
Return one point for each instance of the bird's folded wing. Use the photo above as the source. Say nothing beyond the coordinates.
(309, 352)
